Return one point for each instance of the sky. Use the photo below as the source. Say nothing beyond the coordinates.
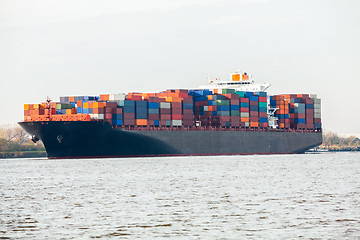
(88, 47)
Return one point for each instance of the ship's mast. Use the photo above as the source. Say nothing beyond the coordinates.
(48, 107)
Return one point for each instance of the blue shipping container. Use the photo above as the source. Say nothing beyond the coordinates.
(299, 120)
(263, 120)
(235, 107)
(128, 109)
(153, 105)
(187, 106)
(244, 105)
(262, 109)
(254, 108)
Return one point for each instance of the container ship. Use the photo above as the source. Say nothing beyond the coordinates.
(231, 117)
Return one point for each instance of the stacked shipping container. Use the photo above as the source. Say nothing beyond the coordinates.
(183, 108)
(297, 111)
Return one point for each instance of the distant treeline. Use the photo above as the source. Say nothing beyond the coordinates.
(16, 143)
(333, 142)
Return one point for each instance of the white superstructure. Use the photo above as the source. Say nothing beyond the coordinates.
(239, 81)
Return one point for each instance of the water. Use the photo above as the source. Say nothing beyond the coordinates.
(229, 197)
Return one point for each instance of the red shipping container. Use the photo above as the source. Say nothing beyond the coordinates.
(165, 111)
(188, 100)
(118, 111)
(187, 117)
(111, 104)
(262, 99)
(309, 101)
(153, 117)
(165, 117)
(242, 109)
(235, 121)
(254, 119)
(154, 99)
(176, 111)
(176, 117)
(254, 103)
(299, 115)
(188, 123)
(108, 116)
(109, 110)
(162, 122)
(225, 118)
(176, 105)
(235, 124)
(254, 114)
(244, 100)
(129, 115)
(234, 102)
(262, 114)
(134, 97)
(187, 111)
(129, 122)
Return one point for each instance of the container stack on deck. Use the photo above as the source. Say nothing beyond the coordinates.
(224, 108)
(297, 111)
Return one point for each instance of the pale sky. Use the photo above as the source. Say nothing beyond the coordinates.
(88, 47)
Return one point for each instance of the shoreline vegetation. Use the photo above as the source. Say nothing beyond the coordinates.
(16, 143)
(332, 142)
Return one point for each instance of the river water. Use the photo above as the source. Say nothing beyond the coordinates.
(222, 197)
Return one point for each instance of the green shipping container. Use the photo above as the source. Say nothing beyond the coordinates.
(262, 104)
(241, 94)
(234, 113)
(227, 91)
(222, 102)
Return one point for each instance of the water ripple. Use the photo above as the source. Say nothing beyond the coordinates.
(227, 197)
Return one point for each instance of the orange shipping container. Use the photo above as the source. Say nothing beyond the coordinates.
(26, 106)
(53, 105)
(141, 122)
(236, 77)
(245, 119)
(104, 97)
(254, 124)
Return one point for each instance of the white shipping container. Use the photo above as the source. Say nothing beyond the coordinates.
(206, 108)
(313, 96)
(164, 105)
(317, 101)
(176, 122)
(317, 106)
(244, 114)
(247, 124)
(317, 115)
(100, 116)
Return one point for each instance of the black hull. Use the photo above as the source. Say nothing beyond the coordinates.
(99, 139)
